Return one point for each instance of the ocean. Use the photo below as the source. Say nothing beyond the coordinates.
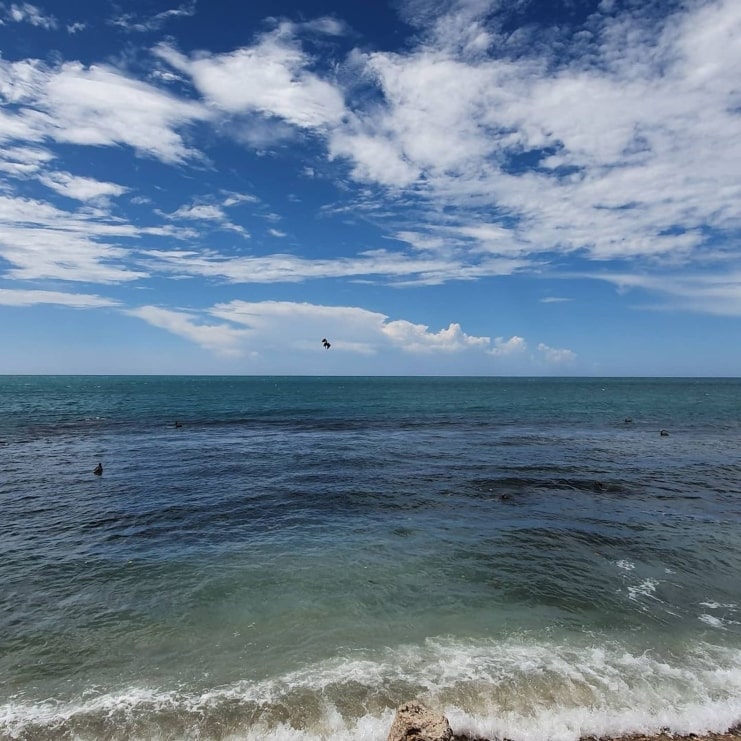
(294, 557)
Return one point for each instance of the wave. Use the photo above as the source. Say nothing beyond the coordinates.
(513, 689)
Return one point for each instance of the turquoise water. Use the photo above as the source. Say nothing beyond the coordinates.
(301, 555)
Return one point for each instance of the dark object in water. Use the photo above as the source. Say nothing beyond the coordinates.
(326, 343)
(98, 470)
(664, 433)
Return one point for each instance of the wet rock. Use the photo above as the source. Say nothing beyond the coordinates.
(416, 722)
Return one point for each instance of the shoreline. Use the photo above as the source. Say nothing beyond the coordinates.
(732, 734)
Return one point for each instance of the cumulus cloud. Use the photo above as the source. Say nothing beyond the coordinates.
(513, 346)
(483, 155)
(299, 325)
(417, 338)
(556, 356)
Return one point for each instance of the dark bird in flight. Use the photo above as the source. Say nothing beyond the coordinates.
(326, 344)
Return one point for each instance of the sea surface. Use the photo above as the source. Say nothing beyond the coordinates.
(292, 558)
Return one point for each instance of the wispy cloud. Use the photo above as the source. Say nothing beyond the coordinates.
(40, 241)
(401, 269)
(28, 13)
(704, 292)
(81, 188)
(136, 23)
(19, 297)
(94, 106)
(221, 338)
(23, 161)
(207, 212)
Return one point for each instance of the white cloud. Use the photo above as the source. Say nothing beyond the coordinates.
(375, 158)
(76, 27)
(707, 293)
(200, 212)
(513, 346)
(401, 269)
(222, 339)
(273, 328)
(556, 356)
(205, 212)
(234, 199)
(40, 241)
(635, 140)
(96, 106)
(23, 161)
(81, 188)
(269, 78)
(352, 329)
(424, 242)
(130, 21)
(19, 297)
(28, 13)
(417, 338)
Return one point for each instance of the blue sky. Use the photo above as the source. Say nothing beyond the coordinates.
(505, 187)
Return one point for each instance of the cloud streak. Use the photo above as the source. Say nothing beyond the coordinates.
(239, 328)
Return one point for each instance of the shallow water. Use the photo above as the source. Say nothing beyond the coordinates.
(304, 554)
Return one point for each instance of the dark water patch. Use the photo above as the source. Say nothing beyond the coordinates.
(519, 485)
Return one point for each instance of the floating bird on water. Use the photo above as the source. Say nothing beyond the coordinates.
(98, 470)
(326, 343)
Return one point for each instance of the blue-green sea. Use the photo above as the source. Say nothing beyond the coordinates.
(292, 558)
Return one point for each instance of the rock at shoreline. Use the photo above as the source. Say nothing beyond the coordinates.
(415, 722)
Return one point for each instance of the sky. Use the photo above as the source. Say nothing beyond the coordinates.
(437, 187)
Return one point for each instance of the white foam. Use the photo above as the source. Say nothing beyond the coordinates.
(646, 588)
(625, 565)
(718, 605)
(522, 688)
(712, 621)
